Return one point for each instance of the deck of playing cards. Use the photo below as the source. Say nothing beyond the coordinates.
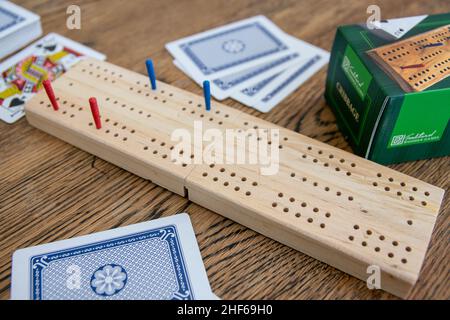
(21, 75)
(17, 27)
(252, 61)
(155, 260)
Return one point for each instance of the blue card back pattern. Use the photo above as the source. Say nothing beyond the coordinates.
(8, 19)
(145, 265)
(230, 48)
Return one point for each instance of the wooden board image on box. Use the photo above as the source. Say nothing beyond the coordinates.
(418, 62)
(337, 207)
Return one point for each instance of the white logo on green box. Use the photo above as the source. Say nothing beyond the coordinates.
(423, 118)
(356, 72)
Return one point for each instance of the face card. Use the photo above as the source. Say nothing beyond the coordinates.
(153, 260)
(21, 76)
(227, 49)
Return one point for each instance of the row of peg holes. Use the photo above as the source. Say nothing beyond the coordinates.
(153, 140)
(141, 112)
(98, 76)
(414, 43)
(403, 185)
(202, 115)
(444, 70)
(394, 243)
(227, 183)
(64, 112)
(304, 205)
(398, 56)
(189, 102)
(113, 73)
(394, 50)
(116, 135)
(444, 38)
(431, 55)
(316, 184)
(440, 34)
(326, 164)
(254, 184)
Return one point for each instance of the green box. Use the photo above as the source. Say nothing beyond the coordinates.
(381, 121)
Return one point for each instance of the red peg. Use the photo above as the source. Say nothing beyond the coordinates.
(95, 112)
(51, 95)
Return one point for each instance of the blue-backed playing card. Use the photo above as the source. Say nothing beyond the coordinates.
(18, 27)
(153, 260)
(287, 82)
(227, 49)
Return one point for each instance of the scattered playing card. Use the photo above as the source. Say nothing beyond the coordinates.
(22, 74)
(152, 260)
(225, 50)
(398, 27)
(283, 85)
(243, 80)
(17, 27)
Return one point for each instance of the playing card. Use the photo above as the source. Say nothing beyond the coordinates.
(398, 27)
(10, 20)
(222, 88)
(153, 260)
(242, 85)
(228, 49)
(22, 74)
(288, 81)
(13, 18)
(17, 27)
(247, 95)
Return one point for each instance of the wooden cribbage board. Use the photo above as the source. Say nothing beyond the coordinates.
(394, 57)
(325, 202)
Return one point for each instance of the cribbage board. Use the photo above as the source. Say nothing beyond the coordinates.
(418, 62)
(339, 208)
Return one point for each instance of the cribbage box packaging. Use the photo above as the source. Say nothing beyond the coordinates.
(391, 94)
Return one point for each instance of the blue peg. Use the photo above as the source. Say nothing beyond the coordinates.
(207, 94)
(437, 44)
(151, 73)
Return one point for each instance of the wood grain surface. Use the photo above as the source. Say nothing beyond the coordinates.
(50, 190)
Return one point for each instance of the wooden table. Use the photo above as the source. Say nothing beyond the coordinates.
(50, 190)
